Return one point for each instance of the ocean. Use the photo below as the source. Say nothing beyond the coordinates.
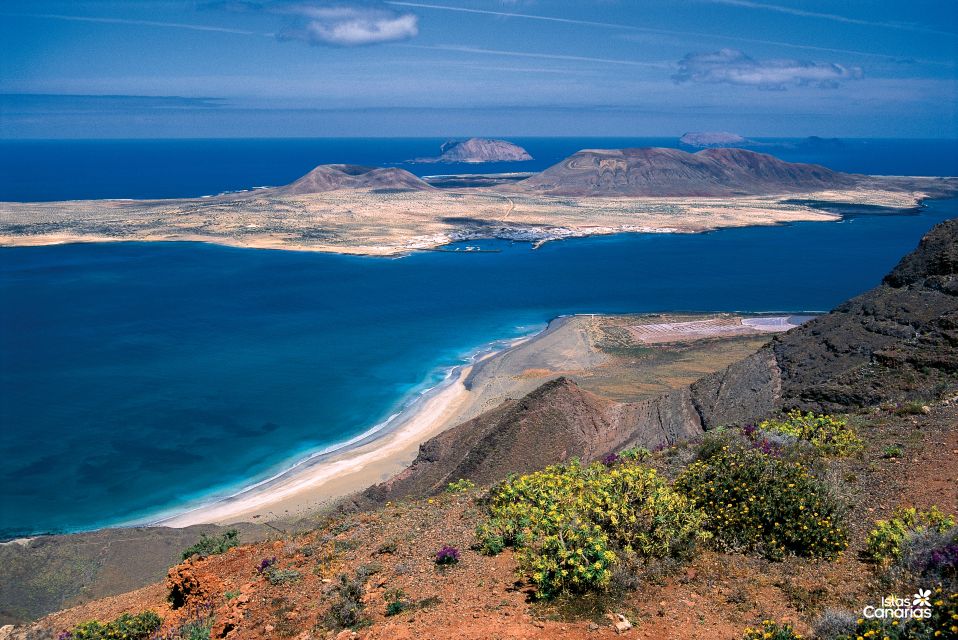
(139, 378)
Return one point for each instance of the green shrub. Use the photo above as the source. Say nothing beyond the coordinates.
(490, 538)
(396, 602)
(213, 545)
(892, 451)
(126, 627)
(347, 610)
(771, 631)
(277, 576)
(460, 486)
(942, 624)
(885, 542)
(568, 521)
(755, 500)
(637, 454)
(911, 409)
(829, 434)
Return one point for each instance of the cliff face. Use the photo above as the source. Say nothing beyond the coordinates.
(672, 172)
(894, 343)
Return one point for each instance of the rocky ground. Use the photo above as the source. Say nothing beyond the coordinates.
(714, 596)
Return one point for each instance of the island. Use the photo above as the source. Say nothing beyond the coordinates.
(389, 211)
(476, 150)
(705, 139)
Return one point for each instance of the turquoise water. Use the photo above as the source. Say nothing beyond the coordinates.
(142, 377)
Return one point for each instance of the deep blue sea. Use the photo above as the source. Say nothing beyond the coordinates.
(137, 378)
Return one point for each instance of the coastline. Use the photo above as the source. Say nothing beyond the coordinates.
(500, 370)
(345, 468)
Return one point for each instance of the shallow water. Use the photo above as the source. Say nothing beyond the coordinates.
(140, 377)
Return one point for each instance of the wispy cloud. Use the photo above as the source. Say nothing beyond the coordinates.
(731, 66)
(652, 30)
(346, 25)
(792, 11)
(543, 56)
(508, 14)
(145, 23)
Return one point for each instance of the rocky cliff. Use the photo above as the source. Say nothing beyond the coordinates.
(895, 343)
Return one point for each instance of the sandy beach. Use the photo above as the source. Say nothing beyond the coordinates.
(568, 346)
(316, 481)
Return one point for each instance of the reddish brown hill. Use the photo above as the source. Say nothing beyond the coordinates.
(671, 172)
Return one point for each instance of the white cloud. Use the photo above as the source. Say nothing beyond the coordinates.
(732, 66)
(347, 25)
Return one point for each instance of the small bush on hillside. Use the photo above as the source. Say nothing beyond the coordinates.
(460, 486)
(911, 409)
(490, 538)
(636, 454)
(213, 545)
(196, 625)
(885, 542)
(277, 576)
(447, 555)
(347, 610)
(892, 451)
(942, 624)
(829, 434)
(833, 624)
(567, 522)
(396, 602)
(753, 500)
(127, 627)
(265, 564)
(929, 557)
(771, 631)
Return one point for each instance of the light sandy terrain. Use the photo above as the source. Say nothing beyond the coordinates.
(371, 222)
(660, 332)
(570, 346)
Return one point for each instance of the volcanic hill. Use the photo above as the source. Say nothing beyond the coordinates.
(661, 172)
(476, 150)
(332, 177)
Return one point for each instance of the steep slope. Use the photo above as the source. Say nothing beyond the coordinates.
(331, 177)
(672, 172)
(895, 343)
(559, 421)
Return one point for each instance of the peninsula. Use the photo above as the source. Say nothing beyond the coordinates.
(375, 211)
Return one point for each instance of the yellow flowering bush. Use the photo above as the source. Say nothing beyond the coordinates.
(884, 543)
(754, 500)
(462, 485)
(126, 627)
(828, 434)
(771, 631)
(942, 624)
(568, 522)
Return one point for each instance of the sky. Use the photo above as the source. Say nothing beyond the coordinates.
(312, 68)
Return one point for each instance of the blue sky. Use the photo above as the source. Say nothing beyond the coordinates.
(234, 68)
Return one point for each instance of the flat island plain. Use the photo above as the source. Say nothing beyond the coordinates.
(371, 221)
